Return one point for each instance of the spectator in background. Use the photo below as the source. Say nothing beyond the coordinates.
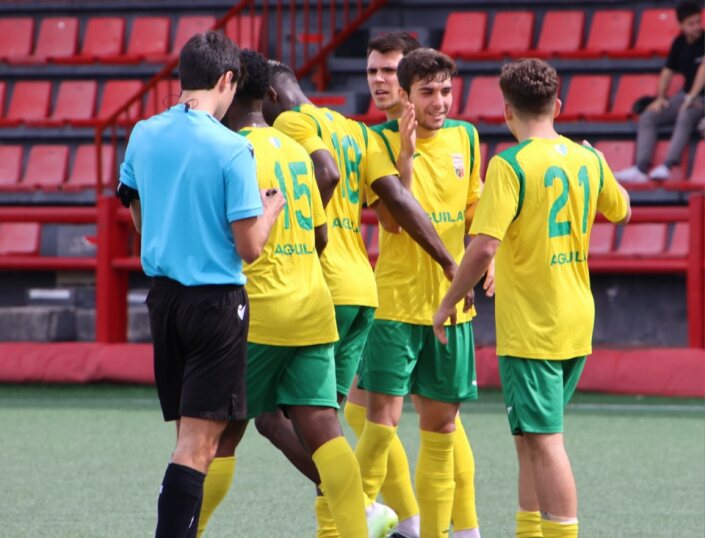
(683, 110)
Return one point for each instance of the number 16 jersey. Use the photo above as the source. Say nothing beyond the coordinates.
(540, 200)
(360, 160)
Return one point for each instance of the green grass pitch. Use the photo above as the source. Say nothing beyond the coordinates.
(87, 461)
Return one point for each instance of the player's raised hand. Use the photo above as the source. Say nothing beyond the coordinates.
(442, 314)
(407, 129)
(273, 201)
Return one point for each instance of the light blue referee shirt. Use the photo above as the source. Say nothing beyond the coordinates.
(194, 176)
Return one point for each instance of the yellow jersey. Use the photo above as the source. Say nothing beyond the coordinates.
(290, 304)
(540, 200)
(360, 160)
(446, 180)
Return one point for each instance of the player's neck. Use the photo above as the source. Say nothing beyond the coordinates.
(534, 129)
(248, 118)
(297, 98)
(202, 100)
(394, 113)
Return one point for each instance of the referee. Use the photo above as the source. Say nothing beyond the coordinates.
(191, 187)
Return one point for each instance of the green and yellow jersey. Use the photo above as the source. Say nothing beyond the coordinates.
(446, 181)
(540, 200)
(290, 304)
(360, 160)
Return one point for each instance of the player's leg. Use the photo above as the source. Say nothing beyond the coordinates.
(445, 376)
(221, 472)
(528, 517)
(389, 360)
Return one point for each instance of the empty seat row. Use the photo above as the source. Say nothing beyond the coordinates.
(640, 240)
(105, 40)
(561, 34)
(50, 167)
(77, 102)
(19, 238)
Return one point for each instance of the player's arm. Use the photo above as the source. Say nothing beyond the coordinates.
(327, 174)
(251, 233)
(612, 200)
(320, 228)
(413, 219)
(407, 136)
(321, 236)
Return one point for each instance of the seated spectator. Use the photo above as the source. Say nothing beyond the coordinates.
(683, 110)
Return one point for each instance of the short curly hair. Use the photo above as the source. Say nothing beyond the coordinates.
(256, 83)
(530, 86)
(426, 65)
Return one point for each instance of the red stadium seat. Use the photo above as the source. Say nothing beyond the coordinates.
(75, 102)
(587, 97)
(619, 154)
(457, 90)
(29, 102)
(10, 165)
(16, 37)
(83, 174)
(697, 174)
(659, 156)
(601, 239)
(561, 32)
(164, 95)
(464, 33)
(189, 26)
(58, 38)
(149, 38)
(115, 94)
(246, 31)
(643, 240)
(2, 98)
(484, 101)
(629, 89)
(104, 37)
(679, 246)
(511, 32)
(501, 146)
(610, 32)
(19, 238)
(657, 29)
(47, 166)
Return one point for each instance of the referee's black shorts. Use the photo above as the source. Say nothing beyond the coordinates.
(200, 349)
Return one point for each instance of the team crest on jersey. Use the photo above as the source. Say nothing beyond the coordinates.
(275, 142)
(458, 164)
(560, 148)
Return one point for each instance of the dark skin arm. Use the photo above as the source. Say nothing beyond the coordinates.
(321, 235)
(413, 220)
(327, 174)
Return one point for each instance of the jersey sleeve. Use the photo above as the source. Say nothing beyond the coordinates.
(242, 199)
(475, 184)
(303, 128)
(127, 169)
(378, 163)
(610, 200)
(319, 212)
(500, 201)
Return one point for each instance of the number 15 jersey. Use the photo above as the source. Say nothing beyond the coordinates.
(360, 160)
(540, 200)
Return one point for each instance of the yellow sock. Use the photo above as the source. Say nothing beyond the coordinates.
(326, 525)
(528, 525)
(464, 513)
(215, 488)
(372, 452)
(340, 483)
(355, 416)
(554, 529)
(434, 482)
(397, 490)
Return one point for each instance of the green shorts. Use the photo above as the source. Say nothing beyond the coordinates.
(536, 392)
(402, 358)
(278, 376)
(354, 323)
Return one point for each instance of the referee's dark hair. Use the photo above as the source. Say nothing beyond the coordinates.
(256, 84)
(687, 9)
(205, 58)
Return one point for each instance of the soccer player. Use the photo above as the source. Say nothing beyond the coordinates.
(383, 56)
(190, 184)
(290, 362)
(536, 214)
(401, 355)
(347, 156)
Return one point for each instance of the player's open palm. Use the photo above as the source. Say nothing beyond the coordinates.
(407, 129)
